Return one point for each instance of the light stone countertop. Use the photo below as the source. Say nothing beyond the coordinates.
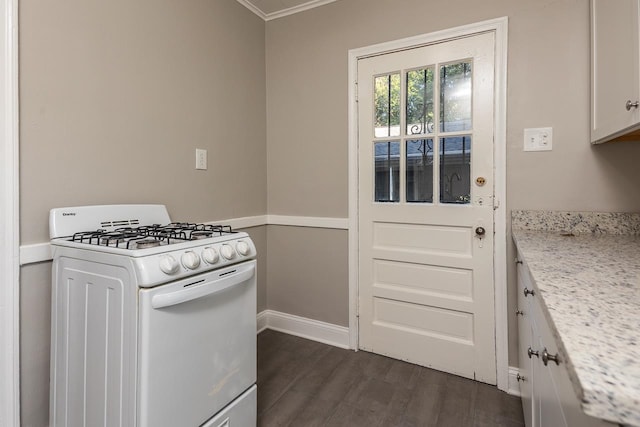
(590, 288)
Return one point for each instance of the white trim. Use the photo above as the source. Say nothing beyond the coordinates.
(253, 8)
(9, 220)
(283, 12)
(514, 385)
(352, 80)
(244, 222)
(40, 252)
(327, 333)
(308, 221)
(500, 27)
(261, 319)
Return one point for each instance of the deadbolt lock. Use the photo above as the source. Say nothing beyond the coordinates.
(480, 181)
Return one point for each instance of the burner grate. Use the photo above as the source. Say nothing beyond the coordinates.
(147, 236)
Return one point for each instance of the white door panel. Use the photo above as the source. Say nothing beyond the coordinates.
(425, 275)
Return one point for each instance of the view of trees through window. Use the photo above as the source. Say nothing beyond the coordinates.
(454, 152)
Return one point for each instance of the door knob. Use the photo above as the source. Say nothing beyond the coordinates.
(629, 105)
(546, 357)
(480, 231)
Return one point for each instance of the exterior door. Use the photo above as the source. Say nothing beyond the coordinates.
(425, 118)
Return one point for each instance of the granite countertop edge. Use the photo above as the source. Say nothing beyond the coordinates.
(579, 279)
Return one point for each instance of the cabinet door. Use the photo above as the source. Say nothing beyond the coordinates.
(549, 406)
(525, 334)
(614, 67)
(559, 405)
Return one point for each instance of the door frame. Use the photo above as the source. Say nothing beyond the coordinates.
(9, 217)
(500, 27)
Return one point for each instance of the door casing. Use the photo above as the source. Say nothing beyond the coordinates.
(9, 234)
(500, 27)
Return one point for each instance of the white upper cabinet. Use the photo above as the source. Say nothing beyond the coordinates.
(615, 71)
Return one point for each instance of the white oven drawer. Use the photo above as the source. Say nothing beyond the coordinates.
(240, 413)
(197, 346)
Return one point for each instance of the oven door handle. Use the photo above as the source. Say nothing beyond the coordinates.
(230, 280)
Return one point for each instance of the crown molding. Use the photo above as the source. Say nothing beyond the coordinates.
(252, 8)
(284, 12)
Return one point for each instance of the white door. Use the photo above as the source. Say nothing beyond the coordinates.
(425, 118)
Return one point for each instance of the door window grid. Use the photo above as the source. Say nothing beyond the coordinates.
(413, 159)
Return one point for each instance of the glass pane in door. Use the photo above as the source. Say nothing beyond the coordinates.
(387, 171)
(455, 170)
(420, 101)
(455, 97)
(387, 105)
(419, 163)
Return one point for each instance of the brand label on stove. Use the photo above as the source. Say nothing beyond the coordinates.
(68, 214)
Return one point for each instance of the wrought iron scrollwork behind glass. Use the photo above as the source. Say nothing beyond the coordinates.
(419, 108)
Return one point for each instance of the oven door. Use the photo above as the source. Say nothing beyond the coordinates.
(197, 346)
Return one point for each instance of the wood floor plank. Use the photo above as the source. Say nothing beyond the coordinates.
(303, 383)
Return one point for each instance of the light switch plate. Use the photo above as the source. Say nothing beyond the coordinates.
(201, 159)
(538, 139)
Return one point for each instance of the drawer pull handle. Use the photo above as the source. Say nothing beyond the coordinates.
(546, 357)
(530, 352)
(519, 312)
(529, 292)
(629, 105)
(520, 378)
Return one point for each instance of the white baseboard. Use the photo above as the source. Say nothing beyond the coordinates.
(514, 386)
(315, 330)
(262, 321)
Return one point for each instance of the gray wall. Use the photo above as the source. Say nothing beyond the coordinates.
(548, 85)
(100, 81)
(307, 271)
(114, 98)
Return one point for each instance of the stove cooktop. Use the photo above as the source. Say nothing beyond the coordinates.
(151, 236)
(132, 235)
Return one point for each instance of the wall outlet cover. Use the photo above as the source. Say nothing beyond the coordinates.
(201, 159)
(538, 139)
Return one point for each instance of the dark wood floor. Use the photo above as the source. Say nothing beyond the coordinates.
(305, 383)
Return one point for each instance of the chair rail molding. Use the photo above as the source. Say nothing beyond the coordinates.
(9, 217)
(41, 252)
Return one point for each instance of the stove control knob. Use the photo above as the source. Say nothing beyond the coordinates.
(243, 248)
(169, 265)
(227, 251)
(190, 260)
(210, 255)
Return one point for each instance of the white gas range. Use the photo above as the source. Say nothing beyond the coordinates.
(153, 321)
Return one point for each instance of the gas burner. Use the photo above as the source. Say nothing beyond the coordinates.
(111, 240)
(147, 243)
(151, 236)
(199, 235)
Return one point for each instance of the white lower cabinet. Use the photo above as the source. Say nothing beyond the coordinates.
(548, 397)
